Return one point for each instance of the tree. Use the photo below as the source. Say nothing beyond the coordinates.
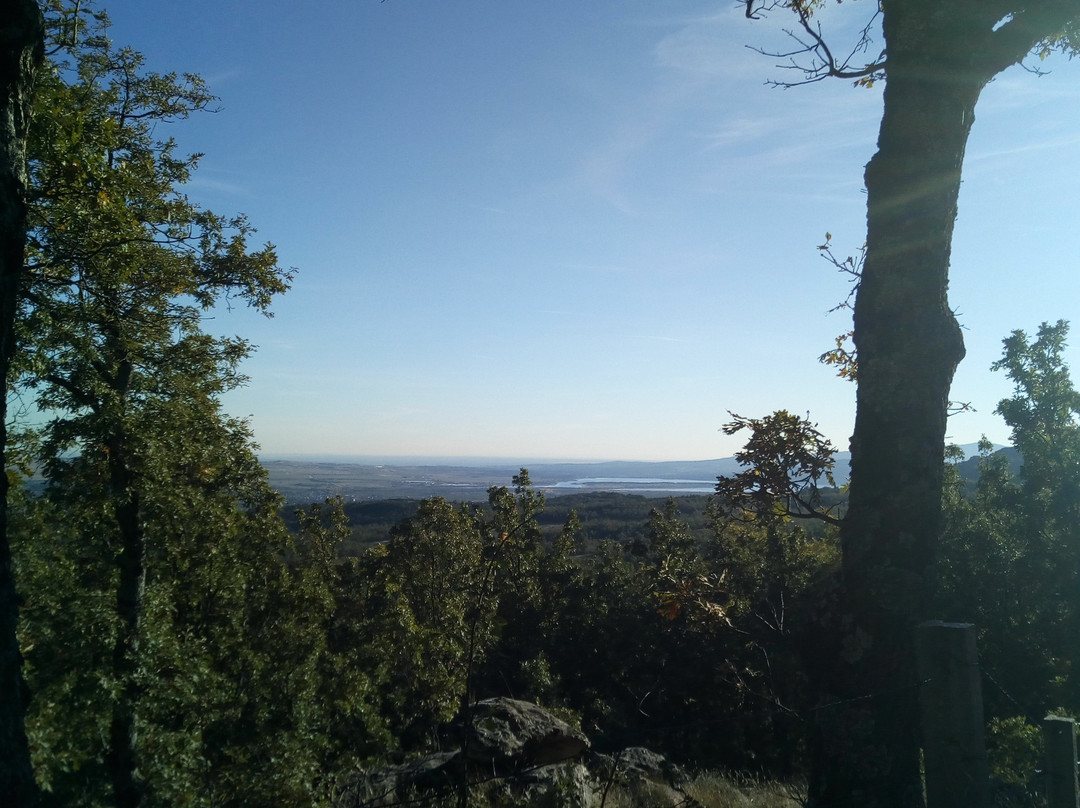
(1044, 417)
(786, 459)
(428, 616)
(937, 58)
(1011, 551)
(440, 595)
(230, 669)
(21, 52)
(121, 266)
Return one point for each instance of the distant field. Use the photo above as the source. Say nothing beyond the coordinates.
(313, 482)
(623, 518)
(304, 482)
(612, 500)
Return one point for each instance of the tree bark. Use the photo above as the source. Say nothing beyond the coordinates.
(21, 52)
(124, 491)
(908, 346)
(131, 562)
(865, 747)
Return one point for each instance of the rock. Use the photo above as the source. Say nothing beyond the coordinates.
(557, 785)
(507, 731)
(651, 794)
(637, 763)
(520, 754)
(391, 785)
(639, 776)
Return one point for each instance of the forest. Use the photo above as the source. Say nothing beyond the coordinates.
(185, 640)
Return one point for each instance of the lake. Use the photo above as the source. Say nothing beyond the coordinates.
(634, 485)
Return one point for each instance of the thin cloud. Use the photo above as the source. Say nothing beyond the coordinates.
(613, 269)
(659, 338)
(200, 182)
(1066, 142)
(714, 48)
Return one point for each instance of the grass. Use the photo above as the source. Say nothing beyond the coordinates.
(714, 791)
(707, 790)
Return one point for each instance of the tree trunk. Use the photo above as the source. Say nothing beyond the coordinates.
(908, 344)
(21, 52)
(131, 563)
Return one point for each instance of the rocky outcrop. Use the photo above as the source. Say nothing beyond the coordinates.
(638, 764)
(518, 753)
(506, 731)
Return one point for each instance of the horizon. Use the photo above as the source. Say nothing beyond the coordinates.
(462, 460)
(970, 450)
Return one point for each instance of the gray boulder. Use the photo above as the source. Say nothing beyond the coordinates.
(637, 762)
(639, 776)
(514, 752)
(556, 785)
(506, 731)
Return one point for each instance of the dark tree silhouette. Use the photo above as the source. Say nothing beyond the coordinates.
(937, 58)
(21, 52)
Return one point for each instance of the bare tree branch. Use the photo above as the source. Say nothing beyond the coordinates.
(813, 57)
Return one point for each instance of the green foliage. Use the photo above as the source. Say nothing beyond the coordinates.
(685, 586)
(176, 634)
(1011, 551)
(1042, 414)
(424, 614)
(1015, 749)
(786, 459)
(67, 623)
(251, 665)
(233, 668)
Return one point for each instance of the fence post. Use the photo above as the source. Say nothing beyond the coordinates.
(950, 705)
(1059, 764)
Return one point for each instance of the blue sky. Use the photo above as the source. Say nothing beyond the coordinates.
(577, 230)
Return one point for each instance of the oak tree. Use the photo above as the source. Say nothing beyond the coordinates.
(936, 59)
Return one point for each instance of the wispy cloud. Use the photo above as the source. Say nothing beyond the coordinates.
(613, 269)
(712, 48)
(1017, 88)
(1063, 142)
(705, 94)
(604, 171)
(200, 182)
(223, 78)
(687, 63)
(658, 338)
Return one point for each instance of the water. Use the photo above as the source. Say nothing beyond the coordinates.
(636, 485)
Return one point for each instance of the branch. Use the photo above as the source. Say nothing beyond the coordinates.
(812, 513)
(81, 397)
(1040, 23)
(822, 63)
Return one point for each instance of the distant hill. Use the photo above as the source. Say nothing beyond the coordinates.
(304, 481)
(969, 468)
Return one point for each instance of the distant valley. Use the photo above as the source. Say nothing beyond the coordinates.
(305, 481)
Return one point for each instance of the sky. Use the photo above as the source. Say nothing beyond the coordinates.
(569, 230)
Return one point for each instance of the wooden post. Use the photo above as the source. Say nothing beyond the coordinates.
(1059, 764)
(950, 703)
